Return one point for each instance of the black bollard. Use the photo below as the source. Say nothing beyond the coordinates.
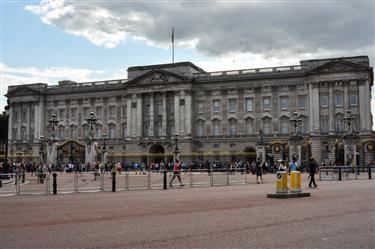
(165, 179)
(340, 178)
(54, 183)
(369, 172)
(113, 181)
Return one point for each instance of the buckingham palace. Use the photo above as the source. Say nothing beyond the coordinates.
(319, 108)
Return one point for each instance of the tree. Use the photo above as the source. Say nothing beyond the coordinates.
(3, 126)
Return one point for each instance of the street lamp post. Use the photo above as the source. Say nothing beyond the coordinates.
(104, 149)
(350, 138)
(41, 149)
(176, 149)
(295, 137)
(91, 120)
(52, 123)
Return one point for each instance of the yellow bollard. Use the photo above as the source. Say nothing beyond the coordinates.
(282, 182)
(295, 181)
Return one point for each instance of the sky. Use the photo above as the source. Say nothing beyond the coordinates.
(47, 41)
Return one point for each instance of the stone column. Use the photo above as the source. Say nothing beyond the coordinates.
(316, 149)
(176, 113)
(331, 106)
(188, 107)
(36, 122)
(314, 107)
(139, 115)
(152, 116)
(164, 117)
(364, 105)
(10, 123)
(41, 118)
(128, 117)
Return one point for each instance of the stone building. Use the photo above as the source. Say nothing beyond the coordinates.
(228, 115)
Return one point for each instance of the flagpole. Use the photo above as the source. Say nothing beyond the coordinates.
(172, 45)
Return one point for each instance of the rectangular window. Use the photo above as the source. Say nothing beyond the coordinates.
(61, 114)
(159, 107)
(353, 100)
(249, 105)
(232, 105)
(147, 110)
(216, 106)
(112, 111)
(98, 131)
(284, 103)
(182, 102)
(32, 115)
(266, 104)
(200, 130)
(73, 113)
(323, 100)
(86, 112)
(200, 107)
(15, 116)
(339, 100)
(124, 111)
(302, 102)
(15, 133)
(324, 124)
(98, 112)
(23, 115)
(31, 133)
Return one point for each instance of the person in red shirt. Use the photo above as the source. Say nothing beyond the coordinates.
(176, 173)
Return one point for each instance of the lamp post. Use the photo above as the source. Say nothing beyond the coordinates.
(52, 123)
(91, 120)
(104, 149)
(295, 137)
(350, 138)
(176, 149)
(336, 151)
(41, 149)
(6, 165)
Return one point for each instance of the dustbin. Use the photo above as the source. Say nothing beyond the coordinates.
(295, 181)
(282, 182)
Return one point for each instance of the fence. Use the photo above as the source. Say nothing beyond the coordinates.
(67, 183)
(339, 173)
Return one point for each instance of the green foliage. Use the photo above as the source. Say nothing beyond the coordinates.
(3, 126)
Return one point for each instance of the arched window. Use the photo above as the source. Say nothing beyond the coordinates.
(199, 128)
(284, 125)
(266, 125)
(249, 126)
(232, 127)
(215, 127)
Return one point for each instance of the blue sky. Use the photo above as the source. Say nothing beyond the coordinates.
(52, 40)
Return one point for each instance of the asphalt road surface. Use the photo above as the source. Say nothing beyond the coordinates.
(337, 215)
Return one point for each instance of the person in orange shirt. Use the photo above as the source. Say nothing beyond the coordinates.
(176, 173)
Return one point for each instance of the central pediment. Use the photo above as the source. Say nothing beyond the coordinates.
(338, 65)
(158, 76)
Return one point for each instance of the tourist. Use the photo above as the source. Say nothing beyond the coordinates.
(258, 170)
(176, 173)
(312, 171)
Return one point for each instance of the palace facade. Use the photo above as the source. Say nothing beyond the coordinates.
(319, 108)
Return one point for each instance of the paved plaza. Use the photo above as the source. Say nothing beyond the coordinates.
(337, 215)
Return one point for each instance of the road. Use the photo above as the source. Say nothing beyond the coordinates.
(337, 215)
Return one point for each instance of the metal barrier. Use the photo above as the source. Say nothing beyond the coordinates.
(339, 173)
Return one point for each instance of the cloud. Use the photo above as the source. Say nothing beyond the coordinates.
(217, 28)
(51, 75)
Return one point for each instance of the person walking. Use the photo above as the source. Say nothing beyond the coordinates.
(176, 173)
(312, 171)
(258, 170)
